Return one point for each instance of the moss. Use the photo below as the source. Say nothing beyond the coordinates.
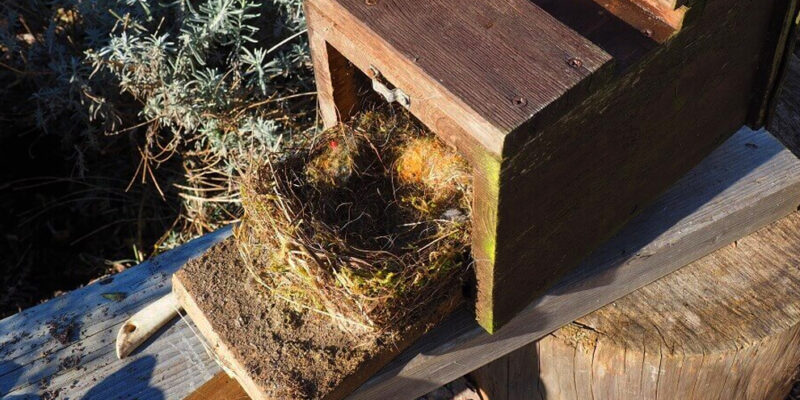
(366, 224)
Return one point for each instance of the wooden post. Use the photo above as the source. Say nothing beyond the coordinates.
(337, 88)
(725, 327)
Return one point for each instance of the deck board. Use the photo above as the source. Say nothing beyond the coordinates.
(170, 366)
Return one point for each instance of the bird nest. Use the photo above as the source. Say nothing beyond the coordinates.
(367, 224)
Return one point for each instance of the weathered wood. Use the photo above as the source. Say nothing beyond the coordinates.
(628, 151)
(750, 181)
(78, 360)
(786, 121)
(724, 327)
(569, 119)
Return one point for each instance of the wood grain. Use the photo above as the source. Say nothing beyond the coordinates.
(468, 64)
(482, 52)
(220, 387)
(572, 122)
(566, 187)
(726, 326)
(786, 122)
(747, 183)
(35, 363)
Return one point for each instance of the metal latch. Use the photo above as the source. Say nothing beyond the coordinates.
(391, 95)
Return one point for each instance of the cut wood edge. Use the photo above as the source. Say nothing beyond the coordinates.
(235, 369)
(222, 353)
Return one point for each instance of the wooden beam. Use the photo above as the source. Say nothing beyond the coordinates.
(750, 181)
(726, 326)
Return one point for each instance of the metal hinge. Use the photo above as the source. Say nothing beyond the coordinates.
(391, 95)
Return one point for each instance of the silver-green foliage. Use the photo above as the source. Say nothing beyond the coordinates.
(192, 66)
(218, 82)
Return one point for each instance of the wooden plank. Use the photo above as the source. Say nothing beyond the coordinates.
(82, 363)
(786, 121)
(266, 344)
(473, 63)
(726, 326)
(220, 387)
(566, 187)
(750, 181)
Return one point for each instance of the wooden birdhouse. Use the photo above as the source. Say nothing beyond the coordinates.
(573, 114)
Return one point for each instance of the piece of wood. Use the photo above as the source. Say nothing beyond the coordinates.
(627, 151)
(145, 323)
(724, 327)
(572, 123)
(786, 121)
(750, 181)
(220, 387)
(276, 351)
(64, 348)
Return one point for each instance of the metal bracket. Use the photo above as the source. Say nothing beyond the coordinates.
(391, 95)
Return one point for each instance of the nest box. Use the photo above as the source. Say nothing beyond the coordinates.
(574, 114)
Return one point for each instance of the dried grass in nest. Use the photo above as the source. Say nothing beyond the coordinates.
(366, 225)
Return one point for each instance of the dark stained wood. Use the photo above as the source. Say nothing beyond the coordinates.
(336, 81)
(774, 62)
(747, 183)
(612, 154)
(724, 327)
(472, 62)
(572, 122)
(786, 122)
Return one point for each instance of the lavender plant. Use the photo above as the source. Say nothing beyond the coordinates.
(215, 82)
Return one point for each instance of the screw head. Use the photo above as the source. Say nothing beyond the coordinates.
(520, 101)
(371, 2)
(648, 32)
(575, 62)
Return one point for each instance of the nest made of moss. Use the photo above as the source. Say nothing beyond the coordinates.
(367, 224)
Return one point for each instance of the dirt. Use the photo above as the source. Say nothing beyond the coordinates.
(291, 354)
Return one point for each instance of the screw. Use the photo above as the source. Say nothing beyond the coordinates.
(371, 2)
(520, 101)
(575, 62)
(373, 72)
(648, 33)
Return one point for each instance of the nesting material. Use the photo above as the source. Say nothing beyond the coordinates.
(366, 226)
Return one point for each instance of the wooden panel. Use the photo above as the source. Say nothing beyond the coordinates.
(565, 187)
(786, 122)
(37, 362)
(748, 182)
(473, 60)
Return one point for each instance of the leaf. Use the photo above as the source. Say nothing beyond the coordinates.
(115, 296)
